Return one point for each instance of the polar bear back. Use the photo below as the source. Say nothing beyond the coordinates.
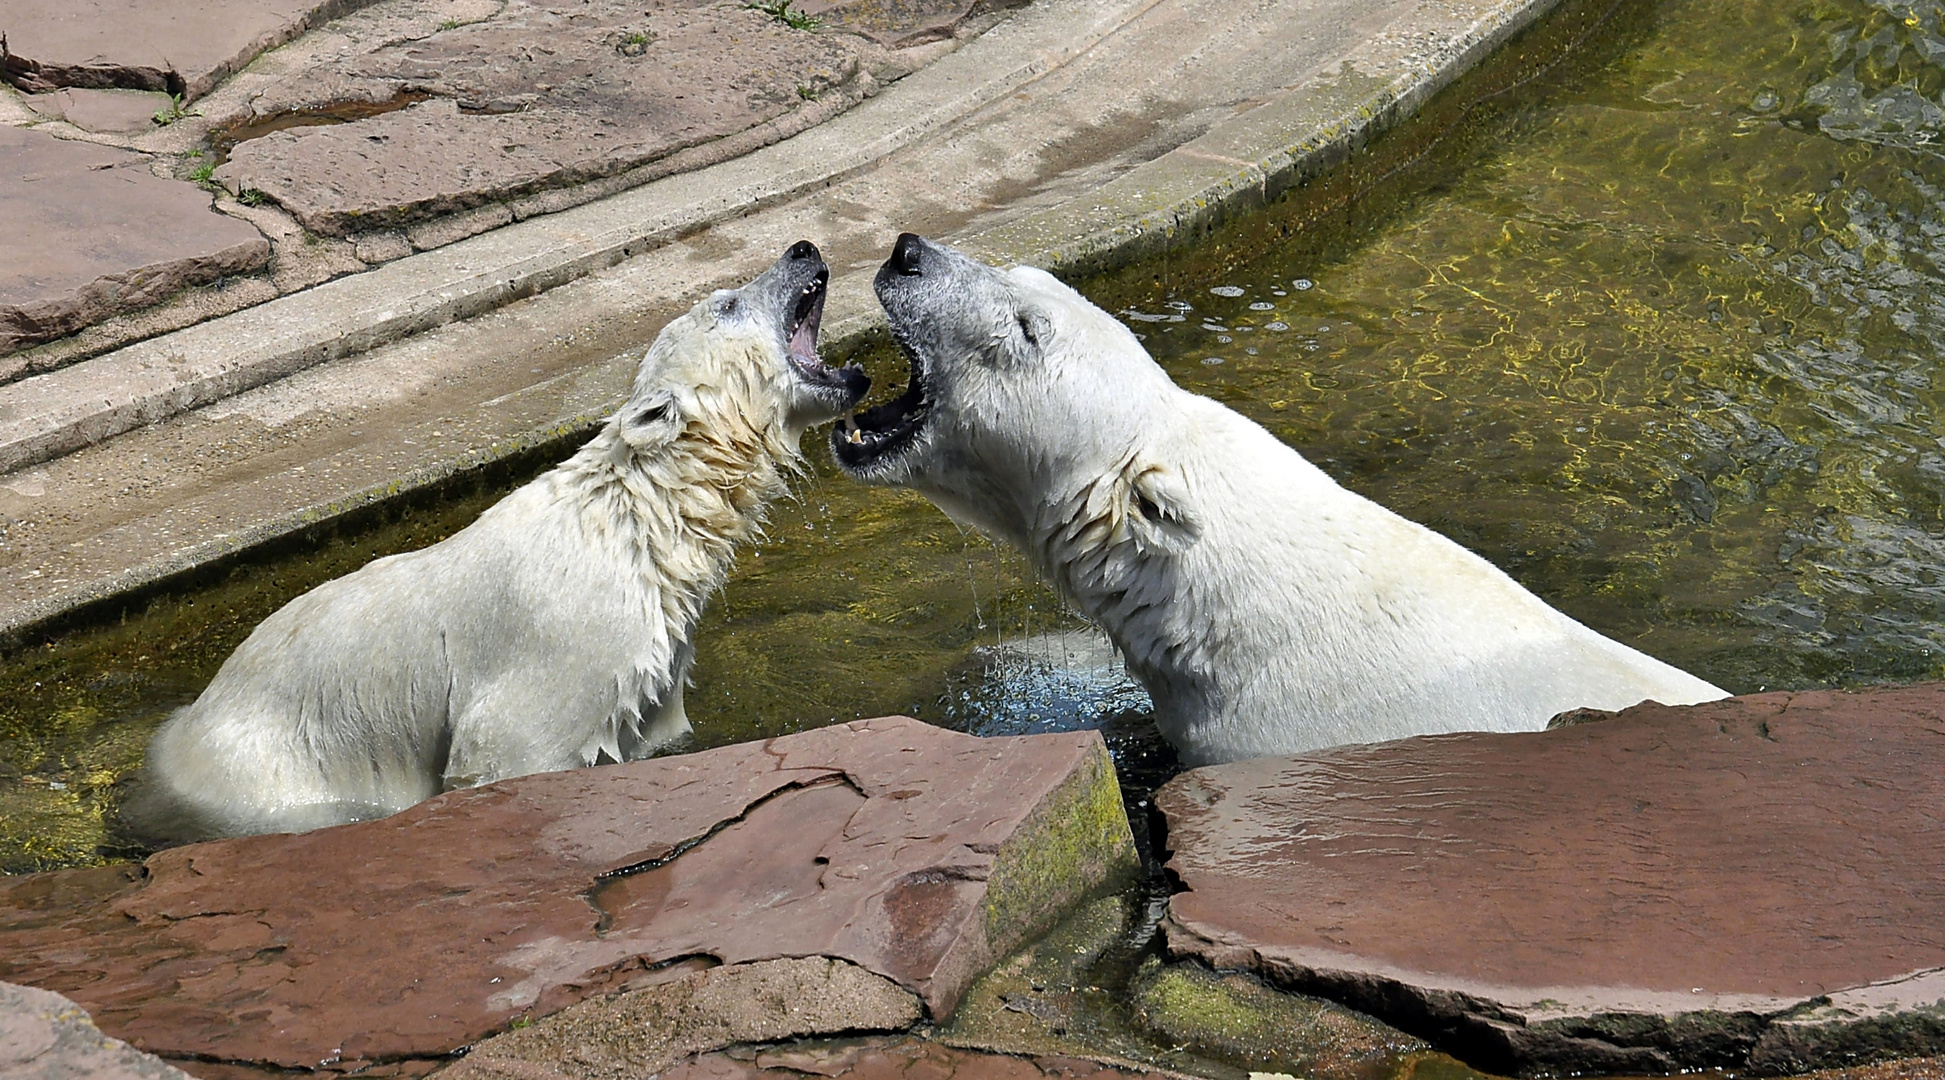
(352, 695)
(1340, 621)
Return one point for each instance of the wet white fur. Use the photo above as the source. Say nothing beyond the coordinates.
(555, 629)
(1266, 609)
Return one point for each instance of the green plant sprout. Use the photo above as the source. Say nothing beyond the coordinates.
(781, 11)
(174, 112)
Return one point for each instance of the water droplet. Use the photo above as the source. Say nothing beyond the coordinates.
(1227, 290)
(1262, 305)
(1178, 305)
(1224, 338)
(1212, 361)
(1276, 326)
(1324, 329)
(1302, 284)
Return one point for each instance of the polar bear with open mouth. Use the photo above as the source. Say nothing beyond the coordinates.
(553, 632)
(1266, 609)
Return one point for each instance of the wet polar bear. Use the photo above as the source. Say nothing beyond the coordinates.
(554, 631)
(1266, 609)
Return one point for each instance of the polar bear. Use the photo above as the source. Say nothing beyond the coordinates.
(553, 632)
(1266, 609)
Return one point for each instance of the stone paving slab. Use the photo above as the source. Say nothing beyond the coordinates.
(643, 1032)
(92, 231)
(898, 23)
(892, 1058)
(914, 854)
(101, 110)
(182, 48)
(1757, 883)
(542, 94)
(45, 1036)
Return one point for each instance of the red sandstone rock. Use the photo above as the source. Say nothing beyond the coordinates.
(45, 1036)
(183, 47)
(541, 95)
(914, 853)
(1754, 883)
(890, 1059)
(91, 231)
(101, 110)
(897, 23)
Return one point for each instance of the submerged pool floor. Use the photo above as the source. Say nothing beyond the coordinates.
(1654, 329)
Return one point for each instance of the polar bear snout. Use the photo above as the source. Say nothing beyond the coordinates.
(789, 297)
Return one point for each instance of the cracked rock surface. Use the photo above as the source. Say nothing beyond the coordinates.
(91, 232)
(913, 854)
(1756, 883)
(893, 1058)
(45, 1036)
(544, 94)
(184, 47)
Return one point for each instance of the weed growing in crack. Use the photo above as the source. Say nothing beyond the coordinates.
(807, 91)
(201, 173)
(174, 112)
(781, 11)
(451, 24)
(252, 197)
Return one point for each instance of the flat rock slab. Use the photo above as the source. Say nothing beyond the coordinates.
(1754, 883)
(44, 1036)
(898, 23)
(181, 47)
(102, 110)
(914, 854)
(91, 231)
(550, 93)
(895, 1058)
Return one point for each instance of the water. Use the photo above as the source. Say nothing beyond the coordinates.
(1653, 330)
(1663, 348)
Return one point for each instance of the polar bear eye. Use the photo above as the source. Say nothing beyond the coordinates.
(1026, 330)
(727, 305)
(652, 413)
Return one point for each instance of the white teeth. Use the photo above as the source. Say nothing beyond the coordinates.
(857, 437)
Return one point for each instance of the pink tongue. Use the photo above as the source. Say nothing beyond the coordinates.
(804, 342)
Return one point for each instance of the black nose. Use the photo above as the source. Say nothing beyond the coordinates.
(906, 253)
(802, 249)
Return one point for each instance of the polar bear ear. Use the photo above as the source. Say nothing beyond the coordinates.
(650, 421)
(1161, 513)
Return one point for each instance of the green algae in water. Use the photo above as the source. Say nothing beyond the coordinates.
(1657, 336)
(1665, 352)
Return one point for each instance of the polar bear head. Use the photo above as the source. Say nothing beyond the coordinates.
(1029, 408)
(743, 363)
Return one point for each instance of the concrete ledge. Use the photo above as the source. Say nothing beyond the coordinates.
(59, 412)
(1244, 164)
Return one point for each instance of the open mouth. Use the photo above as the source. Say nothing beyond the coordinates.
(801, 332)
(884, 431)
